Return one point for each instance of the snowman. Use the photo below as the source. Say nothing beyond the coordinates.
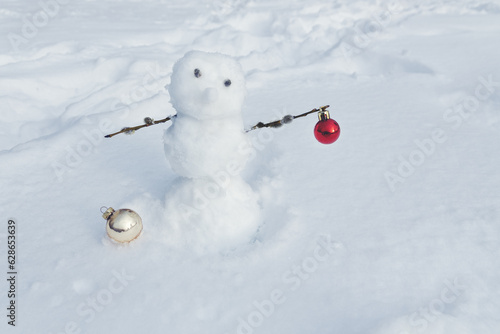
(209, 204)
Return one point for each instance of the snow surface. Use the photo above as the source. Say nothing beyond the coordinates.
(392, 229)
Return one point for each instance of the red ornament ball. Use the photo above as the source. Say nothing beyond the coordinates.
(327, 131)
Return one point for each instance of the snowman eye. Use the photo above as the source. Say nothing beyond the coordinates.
(227, 83)
(197, 72)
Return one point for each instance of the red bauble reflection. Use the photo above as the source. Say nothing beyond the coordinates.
(327, 131)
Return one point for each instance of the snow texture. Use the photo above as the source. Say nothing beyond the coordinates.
(393, 229)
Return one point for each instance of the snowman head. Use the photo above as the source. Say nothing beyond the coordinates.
(207, 86)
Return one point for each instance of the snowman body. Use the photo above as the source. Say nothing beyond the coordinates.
(205, 146)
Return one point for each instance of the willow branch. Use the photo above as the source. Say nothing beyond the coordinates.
(274, 124)
(147, 122)
(285, 120)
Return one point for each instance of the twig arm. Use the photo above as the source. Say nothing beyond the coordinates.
(147, 122)
(274, 124)
(285, 120)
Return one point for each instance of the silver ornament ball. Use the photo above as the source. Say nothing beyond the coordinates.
(123, 225)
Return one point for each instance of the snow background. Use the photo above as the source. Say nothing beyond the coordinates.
(418, 257)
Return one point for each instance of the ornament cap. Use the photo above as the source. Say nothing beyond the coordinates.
(323, 115)
(106, 214)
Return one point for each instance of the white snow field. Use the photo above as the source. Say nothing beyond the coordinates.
(393, 229)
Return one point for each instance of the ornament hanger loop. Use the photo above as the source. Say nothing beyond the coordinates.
(105, 208)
